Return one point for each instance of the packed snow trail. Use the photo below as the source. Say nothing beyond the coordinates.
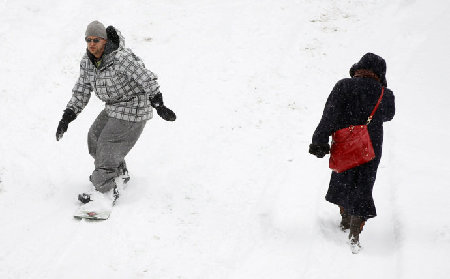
(228, 190)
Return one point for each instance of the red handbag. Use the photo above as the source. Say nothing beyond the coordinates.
(351, 146)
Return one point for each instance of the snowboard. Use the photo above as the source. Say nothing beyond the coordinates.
(92, 215)
(100, 206)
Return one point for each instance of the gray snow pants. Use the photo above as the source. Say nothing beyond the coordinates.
(109, 141)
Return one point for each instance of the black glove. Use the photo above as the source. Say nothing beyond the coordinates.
(163, 111)
(67, 117)
(166, 113)
(319, 150)
(111, 33)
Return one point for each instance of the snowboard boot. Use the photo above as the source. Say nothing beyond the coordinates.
(115, 194)
(345, 222)
(356, 227)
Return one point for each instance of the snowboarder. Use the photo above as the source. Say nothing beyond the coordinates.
(350, 103)
(121, 80)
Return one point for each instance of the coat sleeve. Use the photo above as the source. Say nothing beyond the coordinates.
(135, 69)
(81, 92)
(330, 115)
(388, 106)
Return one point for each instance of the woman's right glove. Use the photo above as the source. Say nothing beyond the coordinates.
(163, 111)
(319, 150)
(67, 117)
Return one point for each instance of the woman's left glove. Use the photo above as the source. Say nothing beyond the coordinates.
(319, 150)
(163, 111)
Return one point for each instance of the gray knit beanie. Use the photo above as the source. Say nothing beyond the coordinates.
(96, 29)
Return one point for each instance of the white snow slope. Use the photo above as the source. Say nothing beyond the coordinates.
(229, 189)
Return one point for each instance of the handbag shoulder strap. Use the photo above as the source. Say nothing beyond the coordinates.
(376, 106)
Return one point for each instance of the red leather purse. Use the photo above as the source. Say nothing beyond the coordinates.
(351, 146)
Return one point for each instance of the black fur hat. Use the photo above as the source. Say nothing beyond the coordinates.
(371, 62)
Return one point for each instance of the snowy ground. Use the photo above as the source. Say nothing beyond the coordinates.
(228, 190)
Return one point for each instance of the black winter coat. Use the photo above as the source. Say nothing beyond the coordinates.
(350, 103)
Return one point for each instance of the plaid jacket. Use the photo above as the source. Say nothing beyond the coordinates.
(121, 81)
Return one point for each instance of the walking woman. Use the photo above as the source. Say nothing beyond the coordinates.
(350, 103)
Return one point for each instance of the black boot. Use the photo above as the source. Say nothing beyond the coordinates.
(356, 227)
(345, 222)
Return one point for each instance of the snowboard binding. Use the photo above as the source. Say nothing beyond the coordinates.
(85, 197)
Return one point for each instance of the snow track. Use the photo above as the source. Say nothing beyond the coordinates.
(228, 190)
